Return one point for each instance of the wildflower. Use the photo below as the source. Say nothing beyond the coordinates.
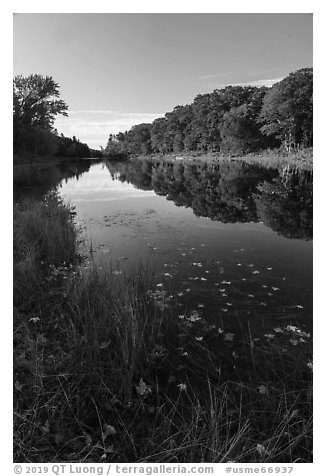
(298, 306)
(229, 304)
(199, 338)
(244, 279)
(239, 264)
(294, 341)
(250, 265)
(143, 389)
(235, 355)
(275, 288)
(197, 264)
(263, 389)
(187, 290)
(159, 285)
(220, 331)
(269, 269)
(263, 304)
(251, 295)
(270, 336)
(256, 272)
(201, 305)
(203, 279)
(117, 272)
(181, 316)
(310, 365)
(224, 309)
(168, 275)
(180, 294)
(264, 286)
(278, 330)
(182, 387)
(185, 354)
(183, 254)
(226, 282)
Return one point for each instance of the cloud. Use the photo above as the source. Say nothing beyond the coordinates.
(258, 82)
(95, 126)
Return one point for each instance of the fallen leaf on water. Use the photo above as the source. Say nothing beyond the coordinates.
(34, 319)
(143, 389)
(108, 430)
(261, 450)
(263, 389)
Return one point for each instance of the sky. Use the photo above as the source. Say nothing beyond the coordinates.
(116, 70)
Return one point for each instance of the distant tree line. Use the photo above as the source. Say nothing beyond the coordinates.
(36, 103)
(232, 120)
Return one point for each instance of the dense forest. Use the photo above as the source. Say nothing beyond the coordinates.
(232, 120)
(36, 103)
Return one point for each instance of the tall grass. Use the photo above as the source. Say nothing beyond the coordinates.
(105, 369)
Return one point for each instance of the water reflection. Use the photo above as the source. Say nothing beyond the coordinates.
(34, 181)
(229, 192)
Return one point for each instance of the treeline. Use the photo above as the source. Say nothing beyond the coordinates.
(36, 103)
(233, 120)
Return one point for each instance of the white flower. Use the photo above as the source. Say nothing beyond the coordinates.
(182, 387)
(256, 272)
(199, 338)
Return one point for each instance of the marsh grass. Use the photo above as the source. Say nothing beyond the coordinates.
(105, 369)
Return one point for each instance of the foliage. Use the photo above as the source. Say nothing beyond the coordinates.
(287, 111)
(233, 120)
(36, 103)
(67, 147)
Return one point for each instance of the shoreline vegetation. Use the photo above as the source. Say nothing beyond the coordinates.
(106, 368)
(274, 158)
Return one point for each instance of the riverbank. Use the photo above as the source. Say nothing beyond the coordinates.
(301, 159)
(107, 368)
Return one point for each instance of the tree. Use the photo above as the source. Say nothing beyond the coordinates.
(36, 102)
(287, 111)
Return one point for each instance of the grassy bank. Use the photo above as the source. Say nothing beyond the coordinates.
(108, 369)
(301, 158)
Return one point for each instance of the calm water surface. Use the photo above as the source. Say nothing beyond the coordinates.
(233, 241)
